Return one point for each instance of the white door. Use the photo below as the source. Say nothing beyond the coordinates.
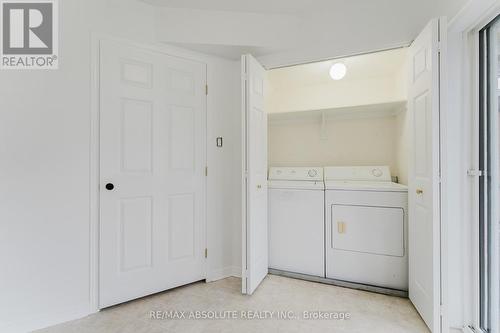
(255, 244)
(424, 172)
(152, 161)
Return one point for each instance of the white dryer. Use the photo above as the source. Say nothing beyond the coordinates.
(296, 220)
(366, 227)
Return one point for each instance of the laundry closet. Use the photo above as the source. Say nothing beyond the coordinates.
(337, 158)
(341, 172)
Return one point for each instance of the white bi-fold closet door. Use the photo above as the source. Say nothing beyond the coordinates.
(152, 172)
(424, 102)
(255, 228)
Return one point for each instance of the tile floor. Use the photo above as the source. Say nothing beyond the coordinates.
(369, 312)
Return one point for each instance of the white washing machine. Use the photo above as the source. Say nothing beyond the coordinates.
(366, 227)
(296, 220)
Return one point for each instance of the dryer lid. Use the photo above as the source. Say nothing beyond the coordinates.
(296, 173)
(358, 173)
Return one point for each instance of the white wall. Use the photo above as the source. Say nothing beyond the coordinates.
(237, 183)
(44, 135)
(402, 145)
(366, 140)
(333, 95)
(223, 196)
(45, 121)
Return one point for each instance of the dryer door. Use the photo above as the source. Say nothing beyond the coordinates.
(368, 229)
(366, 237)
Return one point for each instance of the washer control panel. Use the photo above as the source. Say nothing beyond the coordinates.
(296, 173)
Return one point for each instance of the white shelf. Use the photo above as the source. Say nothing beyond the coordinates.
(352, 112)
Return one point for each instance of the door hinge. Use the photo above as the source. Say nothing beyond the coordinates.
(475, 173)
(206, 171)
(206, 89)
(206, 253)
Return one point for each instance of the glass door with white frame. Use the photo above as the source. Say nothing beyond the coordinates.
(489, 185)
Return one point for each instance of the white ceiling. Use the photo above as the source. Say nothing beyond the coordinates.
(301, 7)
(254, 6)
(225, 51)
(283, 32)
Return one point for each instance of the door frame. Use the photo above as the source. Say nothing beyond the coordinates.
(94, 142)
(244, 264)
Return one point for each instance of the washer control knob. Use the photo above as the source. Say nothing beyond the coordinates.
(312, 173)
(377, 172)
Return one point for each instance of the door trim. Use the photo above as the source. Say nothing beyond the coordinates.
(243, 177)
(312, 60)
(443, 234)
(94, 142)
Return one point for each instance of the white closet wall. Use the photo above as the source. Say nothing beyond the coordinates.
(371, 79)
(361, 140)
(402, 144)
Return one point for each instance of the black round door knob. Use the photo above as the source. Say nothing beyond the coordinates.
(110, 186)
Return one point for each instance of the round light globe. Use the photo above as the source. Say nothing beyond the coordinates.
(338, 71)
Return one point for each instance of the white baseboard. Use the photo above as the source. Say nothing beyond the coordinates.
(223, 273)
(45, 319)
(236, 271)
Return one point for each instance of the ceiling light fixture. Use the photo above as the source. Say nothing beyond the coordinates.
(338, 71)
